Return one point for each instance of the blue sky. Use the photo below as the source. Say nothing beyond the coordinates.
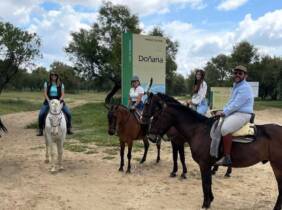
(203, 28)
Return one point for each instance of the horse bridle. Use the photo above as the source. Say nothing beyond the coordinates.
(55, 114)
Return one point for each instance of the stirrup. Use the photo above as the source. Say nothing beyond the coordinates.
(224, 161)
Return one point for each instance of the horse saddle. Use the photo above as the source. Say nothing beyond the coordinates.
(247, 133)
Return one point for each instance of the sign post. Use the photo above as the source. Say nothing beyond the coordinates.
(144, 56)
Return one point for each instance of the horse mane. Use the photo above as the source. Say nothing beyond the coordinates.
(170, 101)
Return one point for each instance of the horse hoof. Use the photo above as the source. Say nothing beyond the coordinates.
(142, 161)
(46, 161)
(128, 171)
(61, 168)
(158, 160)
(172, 174)
(227, 176)
(206, 205)
(53, 171)
(183, 176)
(120, 169)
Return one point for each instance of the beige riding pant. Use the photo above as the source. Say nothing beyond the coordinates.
(234, 122)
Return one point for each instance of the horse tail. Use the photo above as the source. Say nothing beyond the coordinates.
(2, 127)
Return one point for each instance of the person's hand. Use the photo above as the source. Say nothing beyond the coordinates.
(132, 108)
(189, 102)
(220, 114)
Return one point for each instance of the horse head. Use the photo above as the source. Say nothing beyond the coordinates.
(55, 115)
(112, 119)
(154, 107)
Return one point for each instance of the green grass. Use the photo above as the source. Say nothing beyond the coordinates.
(90, 125)
(260, 105)
(75, 147)
(17, 105)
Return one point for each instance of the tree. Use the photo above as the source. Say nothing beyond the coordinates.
(244, 53)
(96, 53)
(17, 48)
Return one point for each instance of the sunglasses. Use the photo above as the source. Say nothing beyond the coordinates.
(240, 73)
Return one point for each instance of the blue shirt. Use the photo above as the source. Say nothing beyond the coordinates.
(241, 99)
(53, 89)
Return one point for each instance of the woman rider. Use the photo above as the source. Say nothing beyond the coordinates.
(135, 95)
(54, 89)
(199, 102)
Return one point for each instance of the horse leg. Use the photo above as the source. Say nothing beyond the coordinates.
(174, 156)
(214, 170)
(122, 146)
(129, 156)
(182, 159)
(60, 154)
(47, 151)
(159, 151)
(52, 150)
(228, 172)
(146, 147)
(206, 185)
(277, 169)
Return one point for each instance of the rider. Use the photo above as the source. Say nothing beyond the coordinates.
(135, 95)
(54, 89)
(199, 101)
(237, 112)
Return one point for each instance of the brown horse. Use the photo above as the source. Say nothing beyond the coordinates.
(196, 129)
(124, 123)
(2, 128)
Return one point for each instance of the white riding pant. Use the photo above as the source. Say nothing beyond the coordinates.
(234, 122)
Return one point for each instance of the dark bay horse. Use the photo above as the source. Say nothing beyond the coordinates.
(2, 128)
(196, 128)
(124, 123)
(177, 143)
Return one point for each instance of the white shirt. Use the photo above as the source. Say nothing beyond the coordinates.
(135, 92)
(198, 97)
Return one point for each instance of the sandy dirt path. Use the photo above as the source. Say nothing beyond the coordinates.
(91, 182)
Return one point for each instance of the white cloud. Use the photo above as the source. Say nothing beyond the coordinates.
(54, 27)
(18, 11)
(231, 4)
(142, 7)
(197, 46)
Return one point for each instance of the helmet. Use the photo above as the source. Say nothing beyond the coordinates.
(135, 78)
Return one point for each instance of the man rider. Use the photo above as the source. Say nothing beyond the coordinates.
(237, 112)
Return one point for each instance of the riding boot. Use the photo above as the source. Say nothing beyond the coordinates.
(40, 132)
(227, 145)
(69, 131)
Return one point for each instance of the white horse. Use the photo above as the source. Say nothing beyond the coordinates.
(55, 133)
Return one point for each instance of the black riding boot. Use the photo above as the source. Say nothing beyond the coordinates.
(69, 131)
(40, 132)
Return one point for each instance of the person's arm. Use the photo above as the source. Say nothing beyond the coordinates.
(45, 92)
(240, 99)
(62, 92)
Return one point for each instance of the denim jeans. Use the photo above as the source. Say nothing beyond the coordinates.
(202, 107)
(44, 111)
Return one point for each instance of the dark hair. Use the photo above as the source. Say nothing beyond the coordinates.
(197, 83)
